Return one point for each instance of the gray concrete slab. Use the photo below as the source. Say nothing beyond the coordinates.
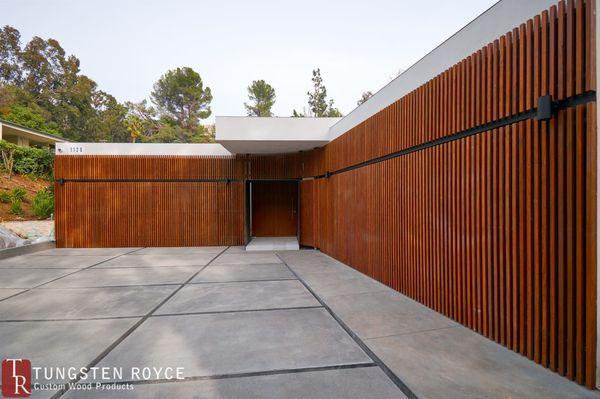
(226, 343)
(383, 313)
(235, 249)
(5, 292)
(78, 303)
(179, 251)
(85, 251)
(359, 383)
(106, 277)
(459, 363)
(49, 262)
(222, 273)
(312, 261)
(246, 258)
(28, 278)
(159, 260)
(220, 297)
(60, 343)
(328, 285)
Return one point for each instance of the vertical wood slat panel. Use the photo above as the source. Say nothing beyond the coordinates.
(496, 231)
(148, 213)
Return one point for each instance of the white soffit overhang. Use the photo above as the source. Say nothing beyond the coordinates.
(140, 149)
(257, 135)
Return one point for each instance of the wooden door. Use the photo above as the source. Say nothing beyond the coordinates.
(274, 208)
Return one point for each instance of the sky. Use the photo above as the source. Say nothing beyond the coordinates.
(126, 45)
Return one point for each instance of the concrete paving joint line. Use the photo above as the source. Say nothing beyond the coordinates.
(66, 275)
(392, 376)
(236, 311)
(162, 315)
(244, 281)
(156, 284)
(127, 333)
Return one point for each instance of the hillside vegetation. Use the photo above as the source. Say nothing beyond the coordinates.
(26, 191)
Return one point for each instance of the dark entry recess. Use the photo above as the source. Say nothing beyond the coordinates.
(274, 208)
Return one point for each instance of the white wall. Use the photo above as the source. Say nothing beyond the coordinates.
(496, 21)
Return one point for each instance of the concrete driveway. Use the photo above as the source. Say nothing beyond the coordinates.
(239, 324)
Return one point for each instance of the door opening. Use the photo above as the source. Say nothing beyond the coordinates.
(273, 208)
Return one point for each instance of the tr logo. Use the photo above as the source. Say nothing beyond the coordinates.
(16, 378)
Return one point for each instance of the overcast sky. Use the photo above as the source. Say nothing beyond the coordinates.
(126, 45)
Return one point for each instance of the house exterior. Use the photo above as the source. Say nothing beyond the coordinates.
(468, 183)
(25, 136)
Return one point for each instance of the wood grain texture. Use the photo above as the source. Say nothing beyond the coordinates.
(274, 208)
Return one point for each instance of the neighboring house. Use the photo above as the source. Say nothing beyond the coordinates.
(26, 136)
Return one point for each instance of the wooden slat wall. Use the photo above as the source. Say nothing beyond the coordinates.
(147, 167)
(158, 213)
(497, 230)
(149, 214)
(121, 214)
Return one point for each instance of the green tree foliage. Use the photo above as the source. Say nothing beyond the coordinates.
(181, 102)
(181, 97)
(30, 117)
(262, 96)
(42, 87)
(10, 59)
(365, 96)
(318, 103)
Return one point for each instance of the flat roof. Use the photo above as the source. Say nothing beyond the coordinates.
(31, 133)
(204, 149)
(260, 135)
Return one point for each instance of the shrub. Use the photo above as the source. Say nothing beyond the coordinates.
(19, 193)
(30, 160)
(15, 207)
(43, 203)
(5, 197)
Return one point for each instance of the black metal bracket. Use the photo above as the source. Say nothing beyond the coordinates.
(546, 108)
(61, 181)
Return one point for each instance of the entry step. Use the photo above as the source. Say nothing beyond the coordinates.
(273, 244)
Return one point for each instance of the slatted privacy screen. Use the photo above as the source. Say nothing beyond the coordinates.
(497, 229)
(116, 201)
(148, 214)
